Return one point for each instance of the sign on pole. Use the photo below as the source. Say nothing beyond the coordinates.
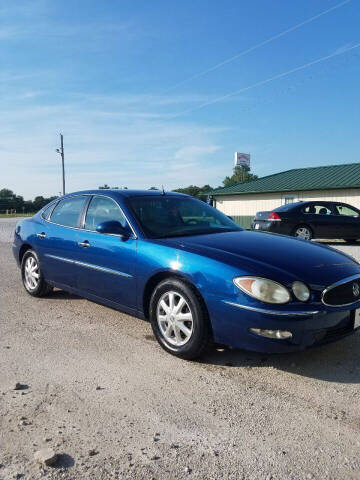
(242, 159)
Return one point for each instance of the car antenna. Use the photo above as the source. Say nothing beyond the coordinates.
(163, 191)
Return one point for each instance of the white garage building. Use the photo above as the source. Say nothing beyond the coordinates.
(339, 183)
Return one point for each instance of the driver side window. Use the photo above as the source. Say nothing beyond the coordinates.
(103, 209)
(345, 210)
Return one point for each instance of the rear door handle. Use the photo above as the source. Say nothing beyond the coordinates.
(41, 235)
(84, 244)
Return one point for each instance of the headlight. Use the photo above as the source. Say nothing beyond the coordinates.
(263, 289)
(301, 291)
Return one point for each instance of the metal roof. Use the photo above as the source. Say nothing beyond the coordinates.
(299, 179)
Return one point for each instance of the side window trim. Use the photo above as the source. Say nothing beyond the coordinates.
(57, 203)
(80, 214)
(84, 212)
(82, 217)
(51, 208)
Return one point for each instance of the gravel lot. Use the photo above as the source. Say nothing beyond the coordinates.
(112, 404)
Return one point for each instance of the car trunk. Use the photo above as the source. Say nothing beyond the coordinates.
(261, 216)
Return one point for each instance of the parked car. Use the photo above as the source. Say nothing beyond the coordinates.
(309, 220)
(191, 270)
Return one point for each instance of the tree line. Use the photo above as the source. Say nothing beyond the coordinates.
(12, 203)
(239, 175)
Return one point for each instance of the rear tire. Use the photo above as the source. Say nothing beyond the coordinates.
(32, 277)
(303, 231)
(179, 319)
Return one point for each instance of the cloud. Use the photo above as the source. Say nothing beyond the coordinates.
(195, 151)
(103, 147)
(123, 138)
(90, 31)
(42, 21)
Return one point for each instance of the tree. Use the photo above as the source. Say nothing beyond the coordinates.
(10, 201)
(194, 191)
(239, 176)
(7, 194)
(104, 187)
(153, 188)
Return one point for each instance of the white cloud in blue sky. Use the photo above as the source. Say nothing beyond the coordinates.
(102, 72)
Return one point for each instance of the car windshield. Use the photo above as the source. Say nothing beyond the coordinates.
(171, 216)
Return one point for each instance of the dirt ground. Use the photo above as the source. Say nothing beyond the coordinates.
(100, 391)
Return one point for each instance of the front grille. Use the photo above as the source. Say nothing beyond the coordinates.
(341, 294)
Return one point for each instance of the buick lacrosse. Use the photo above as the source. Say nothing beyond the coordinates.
(189, 269)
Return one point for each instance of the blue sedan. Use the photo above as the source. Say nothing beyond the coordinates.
(197, 276)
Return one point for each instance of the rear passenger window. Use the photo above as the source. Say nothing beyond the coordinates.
(67, 212)
(317, 209)
(45, 214)
(103, 209)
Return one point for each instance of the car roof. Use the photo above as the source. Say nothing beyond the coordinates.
(125, 193)
(328, 203)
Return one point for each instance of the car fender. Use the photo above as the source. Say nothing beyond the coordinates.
(157, 261)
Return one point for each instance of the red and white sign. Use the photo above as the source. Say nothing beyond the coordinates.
(242, 159)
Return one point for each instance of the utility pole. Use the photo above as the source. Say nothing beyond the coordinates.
(61, 151)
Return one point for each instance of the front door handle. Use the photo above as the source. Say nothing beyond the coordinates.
(41, 235)
(84, 244)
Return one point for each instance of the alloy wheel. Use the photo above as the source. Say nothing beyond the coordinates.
(303, 232)
(32, 273)
(174, 318)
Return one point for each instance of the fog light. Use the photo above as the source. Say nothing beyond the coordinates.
(279, 334)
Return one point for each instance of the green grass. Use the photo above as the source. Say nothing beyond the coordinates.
(14, 215)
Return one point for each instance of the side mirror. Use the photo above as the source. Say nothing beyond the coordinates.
(113, 227)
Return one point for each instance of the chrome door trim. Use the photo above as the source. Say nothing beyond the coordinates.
(337, 284)
(62, 259)
(90, 265)
(288, 313)
(102, 269)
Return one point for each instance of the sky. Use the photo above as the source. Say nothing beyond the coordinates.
(164, 92)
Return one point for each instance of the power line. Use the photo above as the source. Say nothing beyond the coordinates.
(268, 80)
(258, 45)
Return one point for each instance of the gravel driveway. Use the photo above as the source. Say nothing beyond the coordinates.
(112, 404)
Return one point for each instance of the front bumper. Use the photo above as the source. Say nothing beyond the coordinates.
(231, 324)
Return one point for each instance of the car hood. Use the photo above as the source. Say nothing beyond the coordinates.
(270, 255)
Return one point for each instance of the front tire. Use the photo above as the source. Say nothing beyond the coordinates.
(32, 277)
(303, 231)
(179, 319)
